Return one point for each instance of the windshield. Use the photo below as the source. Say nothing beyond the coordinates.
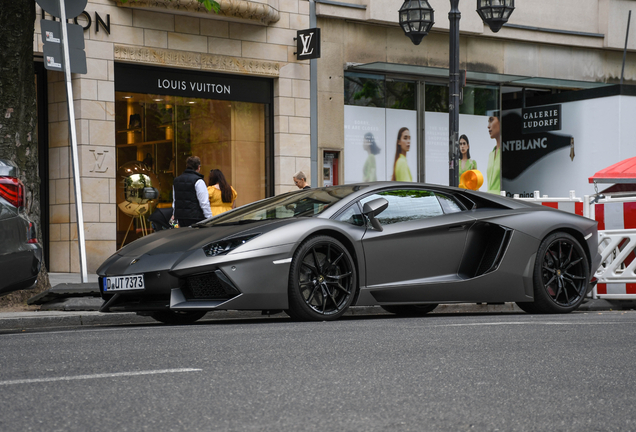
(302, 203)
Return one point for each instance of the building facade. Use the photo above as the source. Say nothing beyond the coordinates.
(167, 79)
(372, 80)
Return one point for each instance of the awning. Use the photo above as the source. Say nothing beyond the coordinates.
(495, 78)
(621, 172)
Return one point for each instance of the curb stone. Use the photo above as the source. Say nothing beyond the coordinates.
(70, 318)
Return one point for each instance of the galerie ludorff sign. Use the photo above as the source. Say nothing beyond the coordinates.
(541, 119)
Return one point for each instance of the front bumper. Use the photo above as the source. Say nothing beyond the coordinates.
(254, 280)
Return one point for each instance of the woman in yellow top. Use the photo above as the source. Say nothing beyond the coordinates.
(465, 163)
(222, 195)
(401, 171)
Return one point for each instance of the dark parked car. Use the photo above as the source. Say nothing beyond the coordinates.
(20, 252)
(313, 253)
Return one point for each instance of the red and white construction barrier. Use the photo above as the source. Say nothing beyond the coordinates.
(615, 215)
(616, 223)
(572, 204)
(617, 264)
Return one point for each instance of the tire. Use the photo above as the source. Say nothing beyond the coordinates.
(322, 280)
(410, 310)
(177, 317)
(561, 276)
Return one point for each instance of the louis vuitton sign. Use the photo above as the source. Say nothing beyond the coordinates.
(307, 44)
(195, 84)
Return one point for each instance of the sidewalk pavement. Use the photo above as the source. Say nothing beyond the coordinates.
(61, 318)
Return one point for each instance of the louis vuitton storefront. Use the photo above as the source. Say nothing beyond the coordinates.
(163, 116)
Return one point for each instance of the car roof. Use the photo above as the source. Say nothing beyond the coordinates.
(371, 187)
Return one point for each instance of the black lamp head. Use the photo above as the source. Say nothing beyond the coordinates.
(495, 13)
(416, 19)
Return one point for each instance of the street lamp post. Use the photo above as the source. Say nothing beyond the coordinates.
(416, 19)
(453, 95)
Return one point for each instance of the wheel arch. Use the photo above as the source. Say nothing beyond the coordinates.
(348, 243)
(579, 237)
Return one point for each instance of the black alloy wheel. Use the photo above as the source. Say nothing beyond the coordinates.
(177, 317)
(409, 310)
(561, 275)
(322, 280)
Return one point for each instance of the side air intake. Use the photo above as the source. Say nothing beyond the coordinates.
(487, 245)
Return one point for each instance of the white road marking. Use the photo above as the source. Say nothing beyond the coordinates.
(527, 323)
(95, 376)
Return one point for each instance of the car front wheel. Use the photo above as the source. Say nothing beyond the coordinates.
(322, 280)
(561, 275)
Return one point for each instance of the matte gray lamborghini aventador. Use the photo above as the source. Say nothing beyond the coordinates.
(313, 253)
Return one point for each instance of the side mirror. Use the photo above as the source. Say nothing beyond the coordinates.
(374, 208)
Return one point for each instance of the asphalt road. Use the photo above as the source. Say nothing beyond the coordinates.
(500, 372)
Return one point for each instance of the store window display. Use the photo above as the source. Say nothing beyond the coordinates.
(161, 131)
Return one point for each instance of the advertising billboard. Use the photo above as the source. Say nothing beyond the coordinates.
(480, 145)
(594, 134)
(373, 149)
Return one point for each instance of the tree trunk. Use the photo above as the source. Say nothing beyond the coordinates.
(18, 108)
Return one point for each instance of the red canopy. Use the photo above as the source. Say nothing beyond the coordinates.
(621, 172)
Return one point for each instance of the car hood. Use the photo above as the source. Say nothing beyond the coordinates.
(169, 248)
(190, 238)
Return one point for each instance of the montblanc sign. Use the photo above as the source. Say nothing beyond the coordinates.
(307, 44)
(541, 119)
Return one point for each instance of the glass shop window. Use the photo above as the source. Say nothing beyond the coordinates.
(155, 134)
(364, 90)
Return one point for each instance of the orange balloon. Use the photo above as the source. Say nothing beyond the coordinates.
(471, 179)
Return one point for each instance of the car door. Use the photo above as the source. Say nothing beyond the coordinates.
(422, 242)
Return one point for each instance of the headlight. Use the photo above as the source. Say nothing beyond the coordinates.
(225, 246)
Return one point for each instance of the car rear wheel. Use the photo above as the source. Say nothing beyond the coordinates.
(409, 310)
(177, 317)
(322, 280)
(561, 275)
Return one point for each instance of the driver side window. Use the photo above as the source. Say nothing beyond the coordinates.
(352, 216)
(406, 205)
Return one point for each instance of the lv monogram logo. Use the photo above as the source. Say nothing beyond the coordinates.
(306, 41)
(100, 157)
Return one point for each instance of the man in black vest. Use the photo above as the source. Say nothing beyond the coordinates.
(190, 199)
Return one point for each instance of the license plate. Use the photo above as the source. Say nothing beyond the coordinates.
(123, 283)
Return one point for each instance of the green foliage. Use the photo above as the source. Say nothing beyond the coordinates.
(436, 98)
(400, 94)
(372, 91)
(209, 4)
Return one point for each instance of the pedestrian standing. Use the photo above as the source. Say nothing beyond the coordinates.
(222, 195)
(190, 200)
(301, 180)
